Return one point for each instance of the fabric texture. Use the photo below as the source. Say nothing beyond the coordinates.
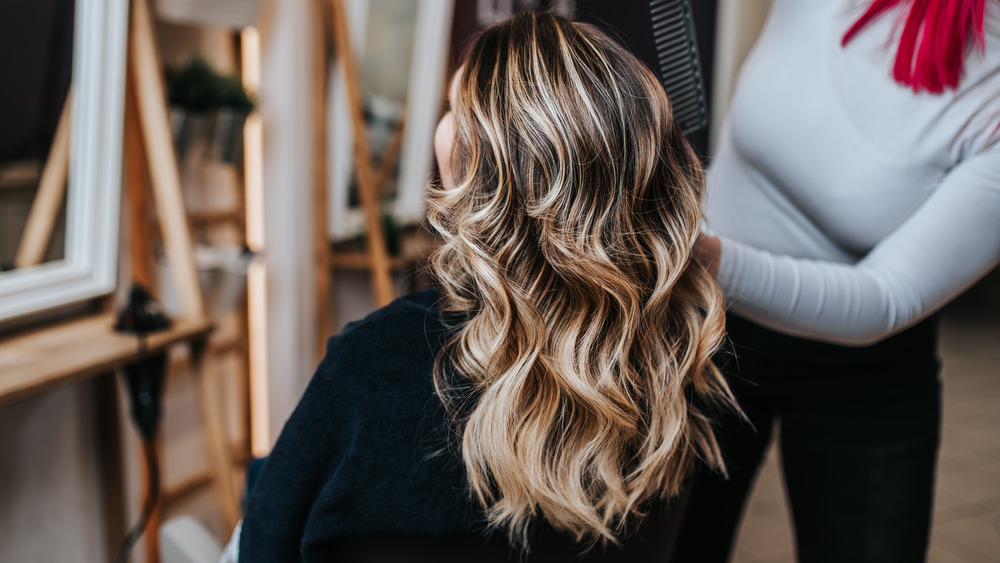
(366, 449)
(850, 207)
(859, 434)
(367, 467)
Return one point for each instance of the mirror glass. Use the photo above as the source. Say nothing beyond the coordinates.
(36, 60)
(402, 48)
(62, 63)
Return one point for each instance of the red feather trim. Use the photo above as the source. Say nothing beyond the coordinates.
(934, 41)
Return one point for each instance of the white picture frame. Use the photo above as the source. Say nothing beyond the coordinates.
(423, 108)
(88, 268)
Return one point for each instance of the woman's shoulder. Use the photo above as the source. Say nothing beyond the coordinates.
(375, 379)
(409, 305)
(369, 422)
(405, 331)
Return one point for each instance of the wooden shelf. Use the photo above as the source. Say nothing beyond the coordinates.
(183, 364)
(416, 247)
(360, 261)
(230, 346)
(206, 218)
(203, 478)
(52, 357)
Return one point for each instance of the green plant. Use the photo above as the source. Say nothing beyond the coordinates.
(197, 87)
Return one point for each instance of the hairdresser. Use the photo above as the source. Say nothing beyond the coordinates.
(855, 192)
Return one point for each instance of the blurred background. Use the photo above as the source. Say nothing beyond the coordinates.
(290, 241)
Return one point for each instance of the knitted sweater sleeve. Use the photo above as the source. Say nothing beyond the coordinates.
(366, 451)
(317, 438)
(950, 242)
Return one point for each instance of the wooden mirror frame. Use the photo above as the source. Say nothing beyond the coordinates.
(88, 268)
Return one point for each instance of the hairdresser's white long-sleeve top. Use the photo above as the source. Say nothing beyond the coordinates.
(850, 207)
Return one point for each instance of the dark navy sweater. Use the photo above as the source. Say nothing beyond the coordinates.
(367, 448)
(370, 453)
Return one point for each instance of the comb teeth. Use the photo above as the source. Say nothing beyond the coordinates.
(680, 70)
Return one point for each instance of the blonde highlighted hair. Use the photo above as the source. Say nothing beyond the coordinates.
(587, 332)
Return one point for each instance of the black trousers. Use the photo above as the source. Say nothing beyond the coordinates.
(859, 431)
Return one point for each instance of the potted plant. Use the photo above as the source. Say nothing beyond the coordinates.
(208, 110)
(207, 107)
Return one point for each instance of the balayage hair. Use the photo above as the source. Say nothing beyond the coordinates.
(587, 331)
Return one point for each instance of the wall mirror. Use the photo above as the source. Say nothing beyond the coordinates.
(402, 48)
(61, 101)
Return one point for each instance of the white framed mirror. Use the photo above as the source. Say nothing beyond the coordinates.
(85, 264)
(396, 88)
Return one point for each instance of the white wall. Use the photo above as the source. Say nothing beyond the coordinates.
(288, 187)
(50, 503)
(739, 22)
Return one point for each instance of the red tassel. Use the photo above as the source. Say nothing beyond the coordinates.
(932, 45)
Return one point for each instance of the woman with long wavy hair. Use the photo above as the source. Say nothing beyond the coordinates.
(556, 389)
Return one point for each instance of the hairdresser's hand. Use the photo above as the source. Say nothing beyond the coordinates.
(707, 251)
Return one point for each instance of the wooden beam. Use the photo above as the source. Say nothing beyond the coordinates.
(215, 217)
(370, 201)
(321, 236)
(51, 192)
(136, 179)
(144, 64)
(152, 529)
(359, 261)
(189, 485)
(213, 423)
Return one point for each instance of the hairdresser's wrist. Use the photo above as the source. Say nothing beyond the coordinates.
(707, 251)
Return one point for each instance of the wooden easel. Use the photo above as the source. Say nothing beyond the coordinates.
(48, 200)
(150, 168)
(332, 38)
(88, 347)
(149, 149)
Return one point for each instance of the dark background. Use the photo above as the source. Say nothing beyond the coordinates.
(36, 59)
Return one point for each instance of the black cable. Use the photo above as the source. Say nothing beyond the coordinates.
(144, 382)
(152, 499)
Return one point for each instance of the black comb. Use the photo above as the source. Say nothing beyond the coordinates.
(660, 33)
